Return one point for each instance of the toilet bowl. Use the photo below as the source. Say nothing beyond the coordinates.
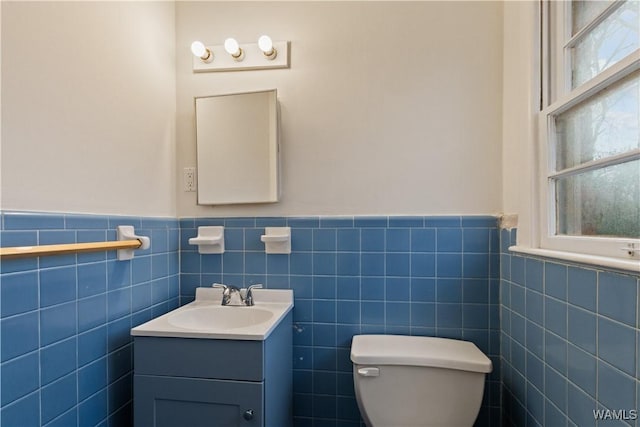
(406, 381)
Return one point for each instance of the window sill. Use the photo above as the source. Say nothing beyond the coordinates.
(631, 265)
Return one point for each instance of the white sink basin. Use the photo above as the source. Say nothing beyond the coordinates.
(207, 318)
(230, 317)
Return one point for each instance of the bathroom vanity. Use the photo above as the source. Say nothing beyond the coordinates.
(207, 365)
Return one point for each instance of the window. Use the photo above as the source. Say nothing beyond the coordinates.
(590, 128)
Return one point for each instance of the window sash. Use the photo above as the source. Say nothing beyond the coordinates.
(557, 43)
(592, 52)
(557, 97)
(615, 247)
(590, 26)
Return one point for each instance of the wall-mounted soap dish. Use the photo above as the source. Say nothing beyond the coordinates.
(277, 240)
(210, 240)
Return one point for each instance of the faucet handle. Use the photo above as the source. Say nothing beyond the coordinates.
(225, 292)
(226, 288)
(248, 299)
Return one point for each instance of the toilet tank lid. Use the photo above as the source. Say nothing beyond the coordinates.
(418, 351)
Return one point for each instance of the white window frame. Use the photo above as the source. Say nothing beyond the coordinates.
(558, 97)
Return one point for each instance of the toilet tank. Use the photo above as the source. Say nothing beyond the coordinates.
(418, 381)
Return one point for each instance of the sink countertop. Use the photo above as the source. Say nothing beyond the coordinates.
(278, 302)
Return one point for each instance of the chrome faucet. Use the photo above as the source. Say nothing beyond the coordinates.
(245, 296)
(228, 291)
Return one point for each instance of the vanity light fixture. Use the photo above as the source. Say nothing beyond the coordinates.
(233, 56)
(233, 48)
(201, 51)
(266, 46)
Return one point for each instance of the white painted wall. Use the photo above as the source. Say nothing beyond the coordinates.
(88, 107)
(388, 107)
(520, 105)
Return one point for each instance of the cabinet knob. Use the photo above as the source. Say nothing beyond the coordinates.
(248, 414)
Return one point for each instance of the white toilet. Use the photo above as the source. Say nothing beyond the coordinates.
(407, 381)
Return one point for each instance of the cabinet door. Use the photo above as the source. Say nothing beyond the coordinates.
(195, 402)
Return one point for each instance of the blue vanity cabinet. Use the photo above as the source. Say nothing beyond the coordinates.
(198, 382)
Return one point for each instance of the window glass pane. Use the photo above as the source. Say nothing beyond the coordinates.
(615, 37)
(601, 126)
(583, 12)
(603, 202)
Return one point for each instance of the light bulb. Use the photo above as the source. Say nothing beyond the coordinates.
(197, 48)
(266, 46)
(200, 50)
(232, 47)
(265, 43)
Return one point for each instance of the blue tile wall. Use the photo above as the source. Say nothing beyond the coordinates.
(569, 342)
(65, 349)
(66, 356)
(434, 276)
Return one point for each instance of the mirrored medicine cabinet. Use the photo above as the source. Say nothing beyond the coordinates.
(237, 148)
